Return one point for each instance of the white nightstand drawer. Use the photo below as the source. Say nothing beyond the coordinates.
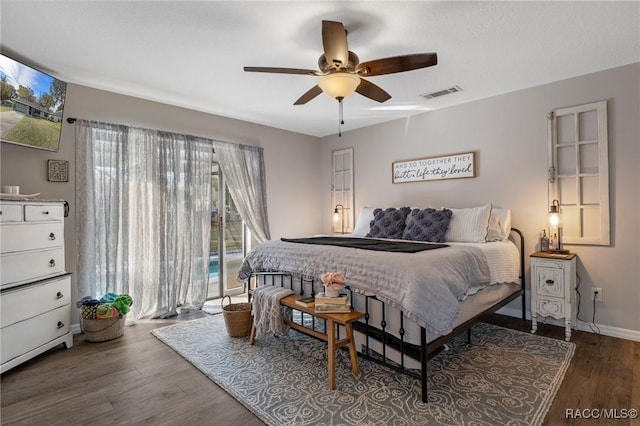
(549, 307)
(43, 212)
(10, 213)
(550, 281)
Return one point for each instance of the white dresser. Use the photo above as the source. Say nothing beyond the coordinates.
(553, 289)
(35, 289)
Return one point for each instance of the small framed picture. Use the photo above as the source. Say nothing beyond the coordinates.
(57, 170)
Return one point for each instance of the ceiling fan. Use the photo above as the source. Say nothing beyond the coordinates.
(342, 73)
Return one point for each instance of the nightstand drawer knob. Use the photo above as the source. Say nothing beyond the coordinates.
(59, 295)
(550, 282)
(60, 324)
(52, 263)
(52, 236)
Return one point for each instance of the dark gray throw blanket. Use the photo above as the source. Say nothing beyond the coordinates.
(368, 244)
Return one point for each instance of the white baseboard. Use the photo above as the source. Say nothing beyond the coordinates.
(621, 333)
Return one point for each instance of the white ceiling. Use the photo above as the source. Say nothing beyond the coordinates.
(191, 54)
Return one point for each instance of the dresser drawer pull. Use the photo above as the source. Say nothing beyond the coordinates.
(52, 236)
(46, 212)
(60, 324)
(59, 295)
(52, 263)
(550, 282)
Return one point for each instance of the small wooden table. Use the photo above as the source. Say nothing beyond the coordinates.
(345, 319)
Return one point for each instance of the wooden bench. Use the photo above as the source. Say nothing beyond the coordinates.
(332, 320)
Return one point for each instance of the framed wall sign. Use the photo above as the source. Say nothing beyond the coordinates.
(57, 171)
(452, 166)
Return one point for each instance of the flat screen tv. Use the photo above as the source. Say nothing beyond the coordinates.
(31, 106)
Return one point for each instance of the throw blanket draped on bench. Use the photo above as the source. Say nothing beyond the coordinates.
(268, 315)
(368, 244)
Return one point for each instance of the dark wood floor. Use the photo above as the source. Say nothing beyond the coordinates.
(136, 379)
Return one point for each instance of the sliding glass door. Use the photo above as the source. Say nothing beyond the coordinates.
(228, 235)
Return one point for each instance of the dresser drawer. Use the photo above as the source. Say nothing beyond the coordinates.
(21, 237)
(10, 213)
(43, 212)
(24, 336)
(29, 301)
(550, 307)
(31, 265)
(550, 281)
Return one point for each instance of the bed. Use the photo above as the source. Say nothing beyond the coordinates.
(417, 291)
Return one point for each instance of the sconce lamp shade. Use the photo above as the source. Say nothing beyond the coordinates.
(336, 215)
(555, 217)
(555, 224)
(339, 84)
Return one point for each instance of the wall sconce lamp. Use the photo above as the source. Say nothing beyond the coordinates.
(555, 227)
(337, 214)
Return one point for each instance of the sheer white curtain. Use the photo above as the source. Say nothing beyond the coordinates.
(243, 167)
(143, 214)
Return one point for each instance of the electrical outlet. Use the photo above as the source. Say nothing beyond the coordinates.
(596, 294)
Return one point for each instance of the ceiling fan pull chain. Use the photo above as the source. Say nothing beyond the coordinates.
(340, 117)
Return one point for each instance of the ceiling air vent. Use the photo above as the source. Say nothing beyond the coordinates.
(439, 93)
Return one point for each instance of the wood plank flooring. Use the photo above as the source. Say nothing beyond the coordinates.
(137, 379)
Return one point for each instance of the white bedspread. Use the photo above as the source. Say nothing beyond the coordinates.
(426, 285)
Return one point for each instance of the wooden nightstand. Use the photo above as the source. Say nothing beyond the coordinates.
(553, 283)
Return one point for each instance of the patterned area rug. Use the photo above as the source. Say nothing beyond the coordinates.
(505, 377)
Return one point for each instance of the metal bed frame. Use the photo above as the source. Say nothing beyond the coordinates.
(424, 351)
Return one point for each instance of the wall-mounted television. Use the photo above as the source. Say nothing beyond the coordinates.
(31, 106)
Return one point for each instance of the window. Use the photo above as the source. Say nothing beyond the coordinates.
(579, 172)
(342, 190)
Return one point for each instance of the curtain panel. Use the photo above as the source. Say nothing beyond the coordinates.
(243, 167)
(143, 204)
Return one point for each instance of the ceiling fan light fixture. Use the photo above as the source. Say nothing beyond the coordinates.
(339, 84)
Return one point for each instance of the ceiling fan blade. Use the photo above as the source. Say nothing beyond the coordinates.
(371, 91)
(311, 93)
(397, 64)
(282, 70)
(334, 42)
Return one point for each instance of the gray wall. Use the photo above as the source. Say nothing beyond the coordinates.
(509, 134)
(291, 185)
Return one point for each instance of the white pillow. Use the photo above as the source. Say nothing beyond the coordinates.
(363, 224)
(469, 225)
(499, 224)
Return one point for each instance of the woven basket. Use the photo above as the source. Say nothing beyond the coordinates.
(237, 318)
(101, 330)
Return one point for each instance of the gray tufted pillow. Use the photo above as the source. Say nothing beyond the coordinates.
(427, 225)
(388, 223)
